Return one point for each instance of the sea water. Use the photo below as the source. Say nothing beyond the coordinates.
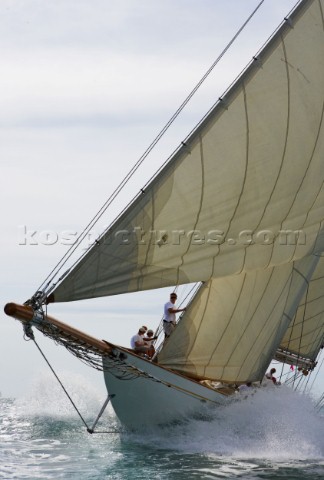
(271, 434)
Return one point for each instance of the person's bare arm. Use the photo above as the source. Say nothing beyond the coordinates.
(176, 310)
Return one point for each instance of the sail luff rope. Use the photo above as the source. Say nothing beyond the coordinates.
(112, 197)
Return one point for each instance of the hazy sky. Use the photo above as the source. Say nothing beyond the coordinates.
(85, 87)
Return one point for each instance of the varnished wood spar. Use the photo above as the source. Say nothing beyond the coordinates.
(25, 314)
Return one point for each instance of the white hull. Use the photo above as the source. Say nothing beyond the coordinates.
(150, 395)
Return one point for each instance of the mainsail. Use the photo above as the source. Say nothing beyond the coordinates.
(243, 197)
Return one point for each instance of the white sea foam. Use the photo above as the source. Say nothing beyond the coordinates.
(274, 423)
(272, 434)
(46, 396)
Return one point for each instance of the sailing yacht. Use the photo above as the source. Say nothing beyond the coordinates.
(239, 208)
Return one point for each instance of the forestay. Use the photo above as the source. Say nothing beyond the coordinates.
(251, 172)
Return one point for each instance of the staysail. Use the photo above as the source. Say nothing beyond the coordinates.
(234, 325)
(243, 193)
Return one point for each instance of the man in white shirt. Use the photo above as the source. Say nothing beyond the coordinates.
(137, 342)
(169, 318)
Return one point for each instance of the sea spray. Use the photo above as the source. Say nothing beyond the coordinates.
(268, 423)
(270, 434)
(46, 398)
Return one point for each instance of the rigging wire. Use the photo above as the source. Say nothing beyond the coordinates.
(295, 376)
(89, 430)
(317, 372)
(302, 327)
(118, 189)
(57, 378)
